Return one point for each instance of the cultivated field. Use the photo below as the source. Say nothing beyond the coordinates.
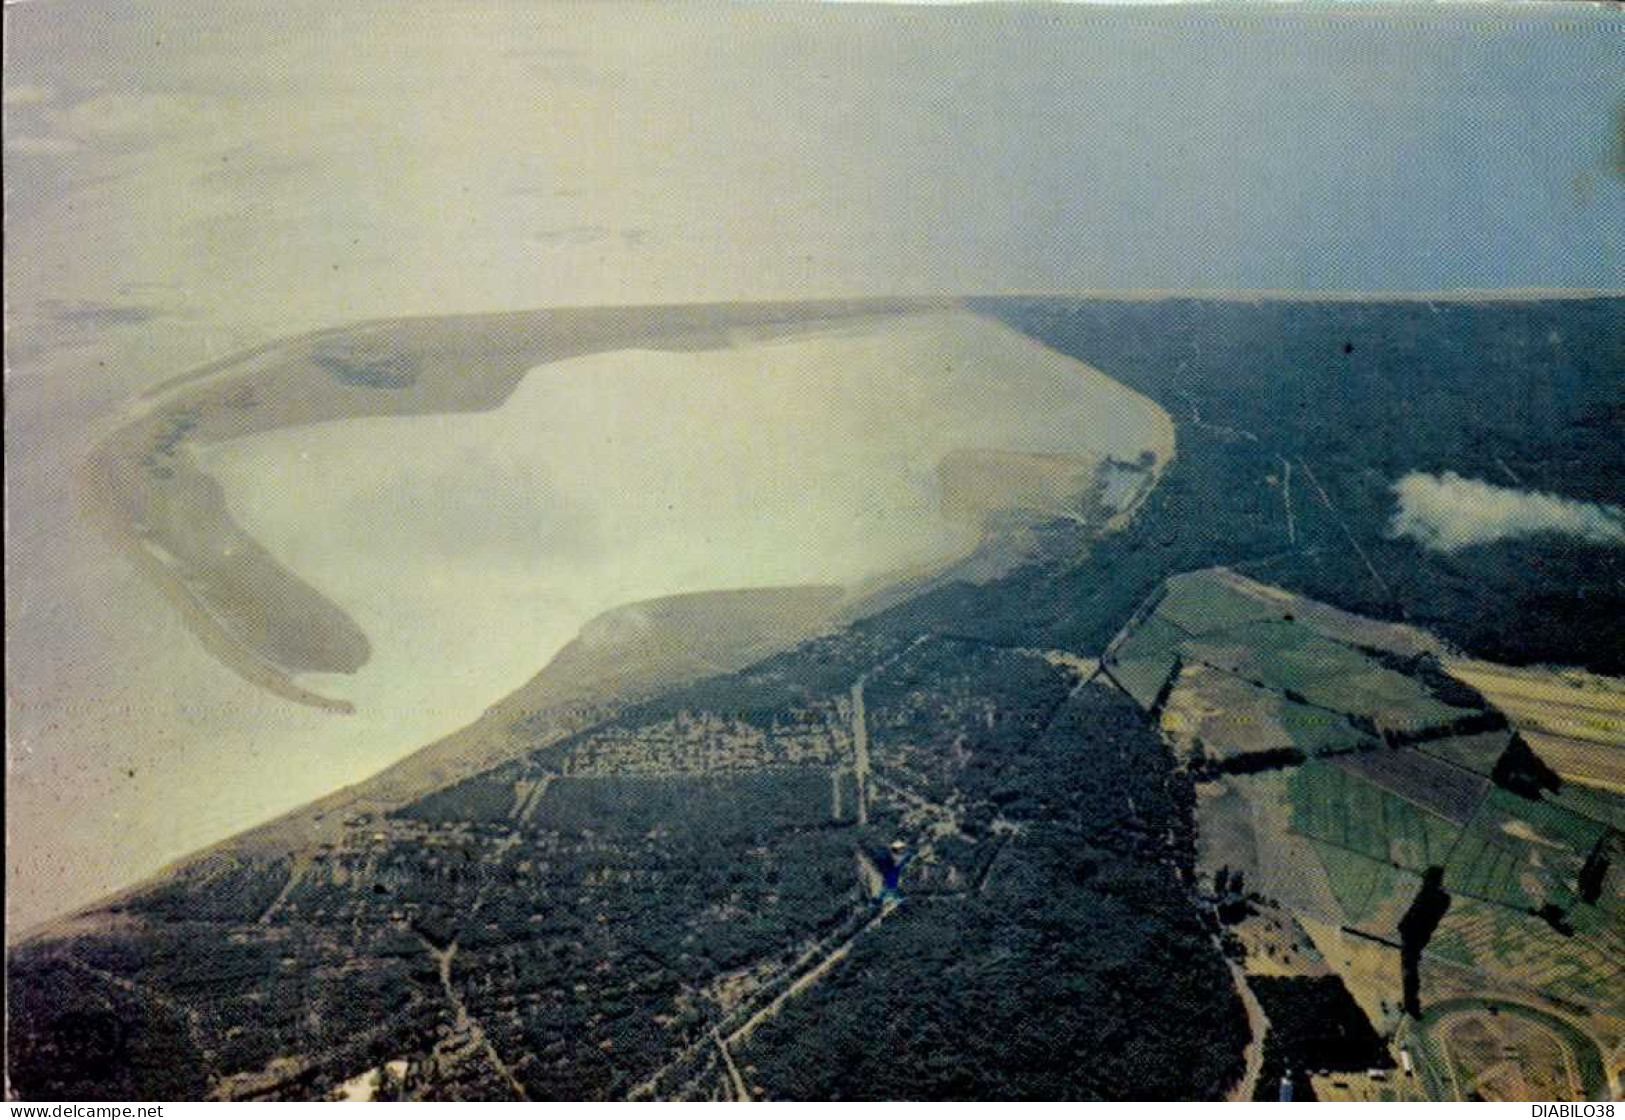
(1351, 784)
(1575, 720)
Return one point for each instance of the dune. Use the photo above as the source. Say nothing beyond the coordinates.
(469, 548)
(145, 488)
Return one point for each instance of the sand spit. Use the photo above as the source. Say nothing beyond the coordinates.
(470, 547)
(641, 439)
(144, 488)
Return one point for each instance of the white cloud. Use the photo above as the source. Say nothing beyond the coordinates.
(1447, 512)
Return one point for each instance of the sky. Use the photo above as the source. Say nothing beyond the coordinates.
(187, 180)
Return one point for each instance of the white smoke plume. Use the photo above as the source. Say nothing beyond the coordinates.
(1446, 512)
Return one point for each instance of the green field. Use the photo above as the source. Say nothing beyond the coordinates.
(1201, 602)
(1522, 853)
(1339, 808)
(1292, 659)
(1477, 753)
(1607, 808)
(1315, 731)
(1485, 868)
(1550, 825)
(1143, 662)
(1373, 895)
